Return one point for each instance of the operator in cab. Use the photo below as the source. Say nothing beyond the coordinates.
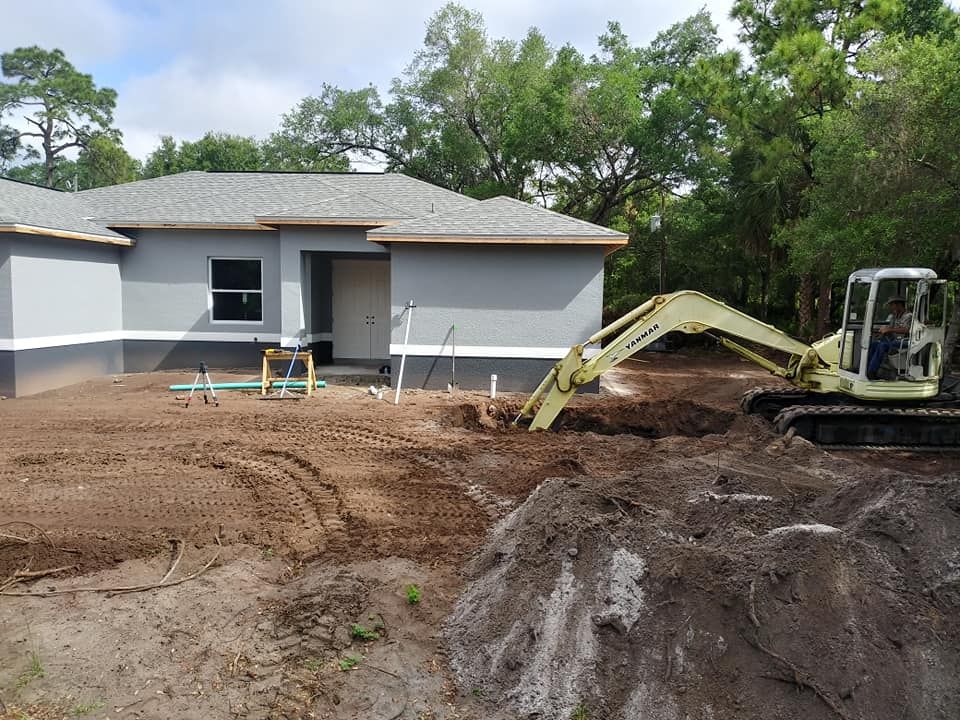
(897, 326)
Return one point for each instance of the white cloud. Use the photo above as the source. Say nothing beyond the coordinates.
(89, 32)
(187, 99)
(182, 68)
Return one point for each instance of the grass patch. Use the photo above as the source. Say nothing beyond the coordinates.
(413, 594)
(580, 712)
(362, 633)
(348, 663)
(313, 664)
(87, 708)
(33, 672)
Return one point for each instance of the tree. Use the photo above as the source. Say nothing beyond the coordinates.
(636, 120)
(214, 151)
(104, 162)
(62, 107)
(889, 165)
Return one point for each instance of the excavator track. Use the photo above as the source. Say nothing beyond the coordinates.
(847, 426)
(769, 402)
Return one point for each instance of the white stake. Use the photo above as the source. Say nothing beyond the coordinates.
(403, 356)
(493, 387)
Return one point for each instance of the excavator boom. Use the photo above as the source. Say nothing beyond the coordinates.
(685, 311)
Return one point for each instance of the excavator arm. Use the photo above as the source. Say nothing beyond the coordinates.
(685, 311)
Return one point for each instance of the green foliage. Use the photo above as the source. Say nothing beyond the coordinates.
(348, 663)
(580, 712)
(888, 165)
(34, 671)
(313, 664)
(360, 632)
(214, 151)
(86, 708)
(413, 594)
(61, 107)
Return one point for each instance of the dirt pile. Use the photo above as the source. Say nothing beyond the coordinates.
(779, 583)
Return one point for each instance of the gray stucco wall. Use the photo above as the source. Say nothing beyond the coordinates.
(165, 279)
(526, 296)
(6, 298)
(64, 287)
(50, 368)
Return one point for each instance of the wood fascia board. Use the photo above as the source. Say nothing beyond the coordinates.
(66, 234)
(189, 226)
(268, 220)
(611, 245)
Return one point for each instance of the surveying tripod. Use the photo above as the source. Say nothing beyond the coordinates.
(203, 374)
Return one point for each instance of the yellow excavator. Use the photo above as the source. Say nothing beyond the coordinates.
(878, 381)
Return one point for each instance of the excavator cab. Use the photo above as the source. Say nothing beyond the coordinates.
(912, 362)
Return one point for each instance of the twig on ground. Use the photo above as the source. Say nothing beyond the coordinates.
(25, 541)
(43, 533)
(368, 666)
(177, 543)
(32, 575)
(124, 589)
(627, 501)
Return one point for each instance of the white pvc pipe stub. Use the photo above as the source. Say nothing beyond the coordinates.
(493, 387)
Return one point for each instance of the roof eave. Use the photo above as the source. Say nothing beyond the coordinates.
(131, 225)
(328, 221)
(20, 228)
(610, 244)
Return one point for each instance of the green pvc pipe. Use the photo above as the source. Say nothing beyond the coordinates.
(245, 385)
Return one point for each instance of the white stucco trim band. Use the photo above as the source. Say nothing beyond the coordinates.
(489, 351)
(50, 341)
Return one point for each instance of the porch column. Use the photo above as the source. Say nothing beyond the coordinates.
(292, 322)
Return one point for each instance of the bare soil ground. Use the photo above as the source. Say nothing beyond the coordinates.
(621, 568)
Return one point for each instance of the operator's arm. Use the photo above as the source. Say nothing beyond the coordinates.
(898, 326)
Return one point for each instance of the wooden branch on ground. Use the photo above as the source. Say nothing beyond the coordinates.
(129, 588)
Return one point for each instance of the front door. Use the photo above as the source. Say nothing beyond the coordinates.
(361, 309)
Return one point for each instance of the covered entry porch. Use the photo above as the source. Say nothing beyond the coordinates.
(344, 302)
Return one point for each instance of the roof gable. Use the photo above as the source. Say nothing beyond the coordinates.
(499, 219)
(34, 210)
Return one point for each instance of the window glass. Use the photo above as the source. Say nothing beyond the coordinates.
(235, 274)
(236, 290)
(245, 306)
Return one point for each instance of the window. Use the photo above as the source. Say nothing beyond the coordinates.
(236, 290)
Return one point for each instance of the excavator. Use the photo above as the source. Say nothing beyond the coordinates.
(832, 399)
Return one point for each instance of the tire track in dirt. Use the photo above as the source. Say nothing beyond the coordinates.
(295, 495)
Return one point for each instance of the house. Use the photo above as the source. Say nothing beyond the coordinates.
(214, 266)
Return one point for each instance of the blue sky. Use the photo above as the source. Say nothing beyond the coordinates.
(184, 67)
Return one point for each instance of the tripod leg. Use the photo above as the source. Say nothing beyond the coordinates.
(192, 389)
(213, 393)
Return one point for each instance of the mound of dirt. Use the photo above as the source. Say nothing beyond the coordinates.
(765, 588)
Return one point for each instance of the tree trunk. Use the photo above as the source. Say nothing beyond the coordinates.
(48, 157)
(808, 285)
(824, 306)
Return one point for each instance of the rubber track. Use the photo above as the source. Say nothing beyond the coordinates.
(861, 426)
(749, 399)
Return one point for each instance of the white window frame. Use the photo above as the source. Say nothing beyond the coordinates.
(211, 290)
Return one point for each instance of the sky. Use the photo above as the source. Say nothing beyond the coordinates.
(183, 67)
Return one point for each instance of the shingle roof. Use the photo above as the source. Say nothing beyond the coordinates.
(217, 198)
(499, 218)
(401, 208)
(32, 209)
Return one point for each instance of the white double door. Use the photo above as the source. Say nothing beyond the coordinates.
(361, 309)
